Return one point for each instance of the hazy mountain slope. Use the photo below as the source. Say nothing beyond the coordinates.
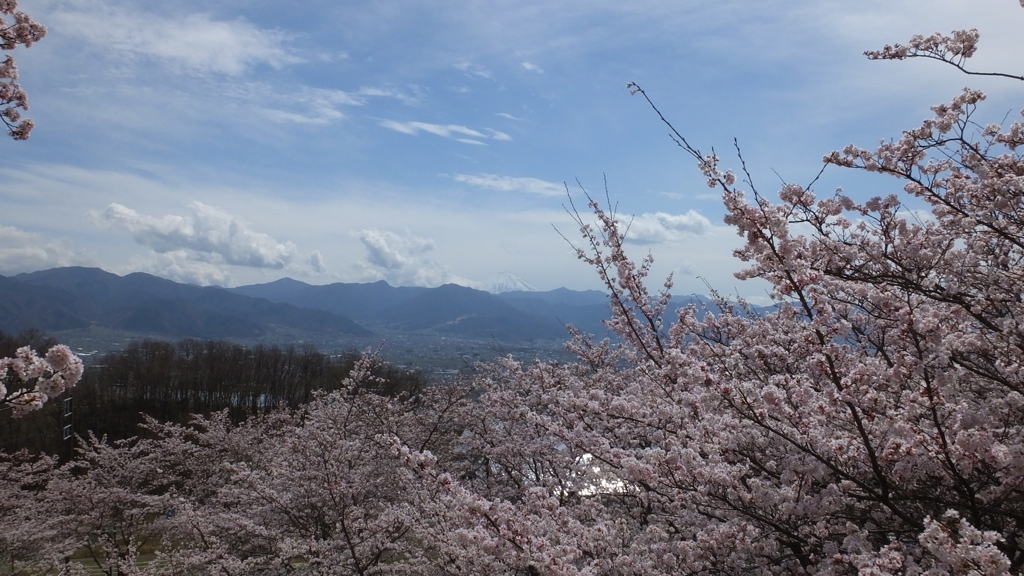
(557, 297)
(381, 304)
(23, 306)
(584, 310)
(147, 304)
(361, 302)
(73, 298)
(455, 309)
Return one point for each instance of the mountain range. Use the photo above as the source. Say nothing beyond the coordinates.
(99, 310)
(75, 298)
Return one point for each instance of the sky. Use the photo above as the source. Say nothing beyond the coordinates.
(231, 142)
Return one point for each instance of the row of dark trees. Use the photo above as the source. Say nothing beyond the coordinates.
(170, 382)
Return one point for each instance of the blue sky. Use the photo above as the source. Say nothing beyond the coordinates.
(239, 141)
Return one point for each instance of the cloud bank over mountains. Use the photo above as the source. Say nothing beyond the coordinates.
(21, 251)
(208, 233)
(403, 260)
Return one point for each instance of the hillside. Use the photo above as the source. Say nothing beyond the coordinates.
(72, 298)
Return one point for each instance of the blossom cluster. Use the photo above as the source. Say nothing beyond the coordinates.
(958, 45)
(27, 380)
(16, 28)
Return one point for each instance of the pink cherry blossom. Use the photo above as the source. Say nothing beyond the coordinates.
(28, 381)
(24, 31)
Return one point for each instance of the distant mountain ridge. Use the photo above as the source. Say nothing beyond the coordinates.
(450, 309)
(76, 298)
(361, 302)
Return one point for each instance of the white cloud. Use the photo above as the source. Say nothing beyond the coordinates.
(315, 116)
(403, 96)
(662, 227)
(444, 130)
(179, 266)
(402, 260)
(392, 252)
(316, 262)
(529, 67)
(473, 70)
(195, 43)
(691, 222)
(512, 184)
(22, 251)
(453, 131)
(208, 234)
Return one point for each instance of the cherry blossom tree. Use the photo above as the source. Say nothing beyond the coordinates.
(30, 542)
(872, 423)
(27, 380)
(111, 502)
(527, 496)
(16, 28)
(315, 489)
(311, 491)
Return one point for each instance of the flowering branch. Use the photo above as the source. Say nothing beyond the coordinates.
(24, 31)
(28, 381)
(953, 49)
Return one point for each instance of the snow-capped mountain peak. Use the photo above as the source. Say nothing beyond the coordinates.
(509, 282)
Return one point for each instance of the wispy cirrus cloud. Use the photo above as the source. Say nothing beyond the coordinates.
(511, 184)
(411, 95)
(451, 131)
(207, 234)
(317, 105)
(473, 70)
(195, 43)
(310, 106)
